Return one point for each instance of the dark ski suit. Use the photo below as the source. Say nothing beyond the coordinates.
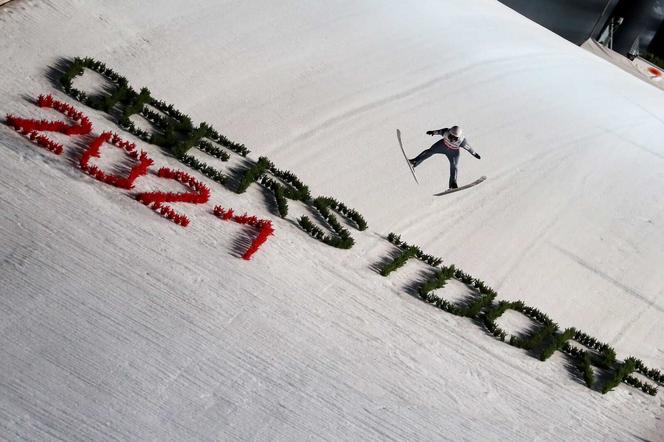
(449, 149)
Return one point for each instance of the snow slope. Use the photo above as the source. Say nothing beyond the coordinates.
(117, 324)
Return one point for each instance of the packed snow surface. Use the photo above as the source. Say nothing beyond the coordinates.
(119, 325)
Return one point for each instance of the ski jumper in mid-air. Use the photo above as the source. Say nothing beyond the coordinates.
(450, 146)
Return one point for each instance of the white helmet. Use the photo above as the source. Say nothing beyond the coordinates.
(455, 134)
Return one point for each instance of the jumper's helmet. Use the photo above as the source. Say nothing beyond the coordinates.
(455, 134)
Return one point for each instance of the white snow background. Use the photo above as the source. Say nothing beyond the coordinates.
(117, 324)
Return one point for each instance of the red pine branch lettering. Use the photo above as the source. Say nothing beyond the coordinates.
(94, 150)
(156, 200)
(264, 226)
(30, 128)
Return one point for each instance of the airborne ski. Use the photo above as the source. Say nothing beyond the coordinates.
(404, 155)
(467, 186)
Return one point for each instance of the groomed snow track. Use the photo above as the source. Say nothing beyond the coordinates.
(120, 325)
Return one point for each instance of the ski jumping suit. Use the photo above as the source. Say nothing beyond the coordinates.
(449, 149)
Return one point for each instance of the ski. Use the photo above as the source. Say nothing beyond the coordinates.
(467, 186)
(404, 155)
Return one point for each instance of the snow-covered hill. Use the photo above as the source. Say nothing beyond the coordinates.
(117, 324)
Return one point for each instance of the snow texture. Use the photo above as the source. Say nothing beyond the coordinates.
(120, 325)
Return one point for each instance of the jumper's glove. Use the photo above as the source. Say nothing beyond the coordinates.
(476, 155)
(429, 132)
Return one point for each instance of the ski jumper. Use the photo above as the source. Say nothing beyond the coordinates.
(449, 149)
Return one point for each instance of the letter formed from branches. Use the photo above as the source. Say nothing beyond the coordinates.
(120, 91)
(340, 237)
(264, 227)
(649, 373)
(603, 356)
(30, 128)
(537, 337)
(143, 162)
(176, 132)
(199, 194)
(472, 308)
(597, 354)
(406, 252)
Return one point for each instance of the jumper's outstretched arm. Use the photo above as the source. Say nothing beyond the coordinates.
(437, 131)
(470, 150)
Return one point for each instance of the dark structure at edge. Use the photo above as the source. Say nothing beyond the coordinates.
(641, 29)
